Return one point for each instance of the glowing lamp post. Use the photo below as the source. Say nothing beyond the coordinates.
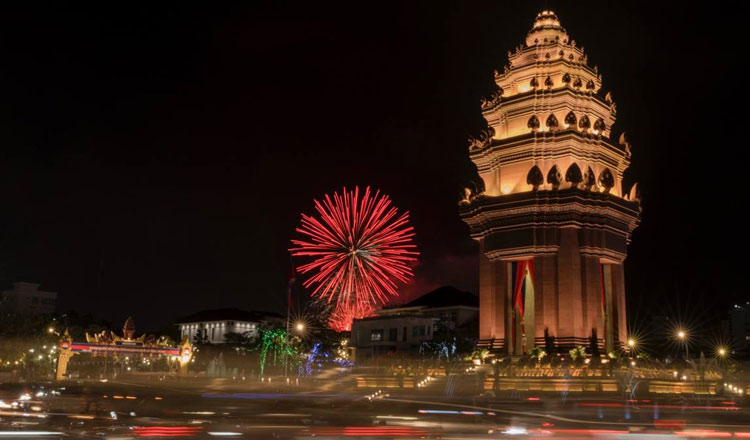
(683, 338)
(300, 327)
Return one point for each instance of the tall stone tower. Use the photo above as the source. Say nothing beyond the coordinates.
(551, 217)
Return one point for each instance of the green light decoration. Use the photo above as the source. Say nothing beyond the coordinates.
(281, 348)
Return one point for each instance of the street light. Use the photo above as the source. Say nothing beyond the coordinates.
(683, 337)
(300, 327)
(631, 343)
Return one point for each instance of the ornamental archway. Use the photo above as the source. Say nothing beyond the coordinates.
(109, 344)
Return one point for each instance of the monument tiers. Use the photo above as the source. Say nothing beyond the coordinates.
(551, 216)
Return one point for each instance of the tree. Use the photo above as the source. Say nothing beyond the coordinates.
(578, 354)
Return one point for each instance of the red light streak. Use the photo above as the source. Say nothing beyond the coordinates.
(361, 248)
(165, 431)
(620, 405)
(669, 424)
(370, 431)
(704, 433)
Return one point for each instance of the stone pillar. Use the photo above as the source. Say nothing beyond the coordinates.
(491, 297)
(545, 287)
(618, 279)
(592, 295)
(63, 358)
(570, 317)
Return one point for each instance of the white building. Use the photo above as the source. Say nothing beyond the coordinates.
(27, 298)
(213, 325)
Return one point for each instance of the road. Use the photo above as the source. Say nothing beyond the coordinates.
(123, 409)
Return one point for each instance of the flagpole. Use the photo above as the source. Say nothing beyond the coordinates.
(288, 312)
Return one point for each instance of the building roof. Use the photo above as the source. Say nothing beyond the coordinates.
(445, 296)
(229, 314)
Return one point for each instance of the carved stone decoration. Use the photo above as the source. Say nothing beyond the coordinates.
(483, 140)
(566, 79)
(128, 329)
(573, 175)
(635, 193)
(535, 177)
(577, 83)
(589, 180)
(533, 123)
(554, 177)
(465, 196)
(548, 82)
(571, 120)
(590, 85)
(493, 100)
(608, 98)
(584, 124)
(534, 82)
(470, 191)
(552, 122)
(606, 180)
(600, 126)
(625, 144)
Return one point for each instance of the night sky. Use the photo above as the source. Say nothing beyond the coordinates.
(155, 157)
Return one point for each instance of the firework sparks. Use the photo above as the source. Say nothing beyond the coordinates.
(361, 248)
(342, 317)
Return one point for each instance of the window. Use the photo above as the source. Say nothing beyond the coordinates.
(552, 121)
(535, 177)
(35, 300)
(403, 338)
(418, 331)
(533, 123)
(393, 334)
(448, 316)
(376, 335)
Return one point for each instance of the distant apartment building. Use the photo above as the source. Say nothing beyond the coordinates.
(27, 298)
(406, 327)
(211, 326)
(739, 328)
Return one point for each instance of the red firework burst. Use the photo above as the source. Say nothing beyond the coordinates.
(342, 317)
(361, 247)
